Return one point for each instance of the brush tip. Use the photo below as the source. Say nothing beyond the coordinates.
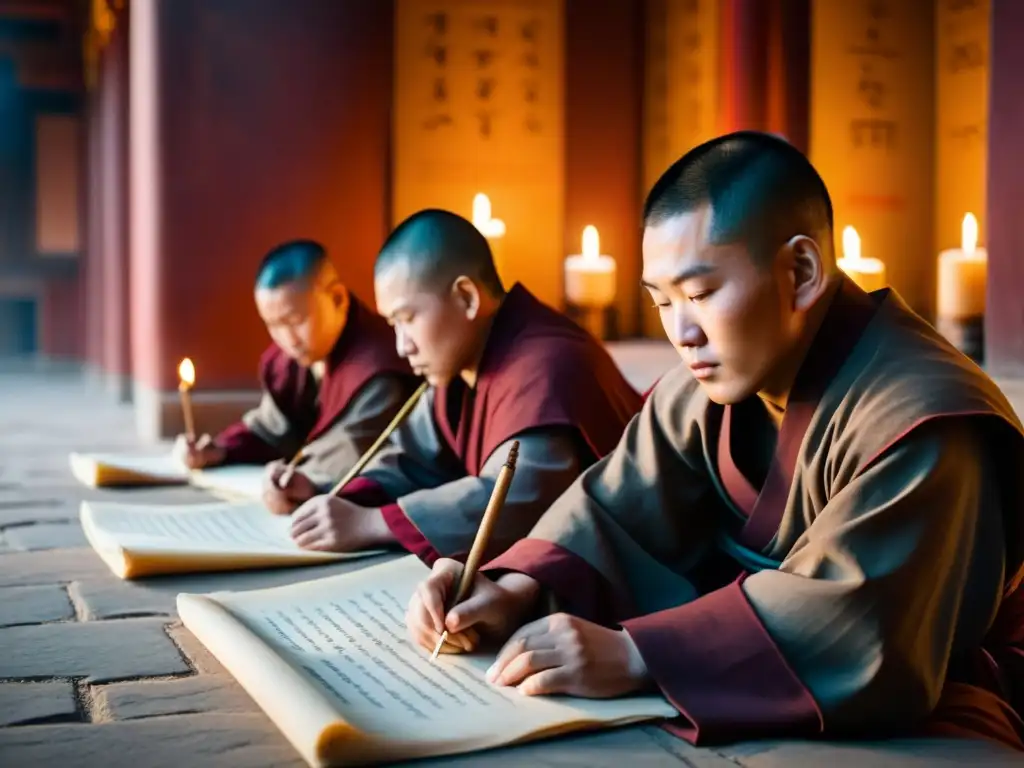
(513, 454)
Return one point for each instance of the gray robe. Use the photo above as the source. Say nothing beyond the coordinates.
(434, 506)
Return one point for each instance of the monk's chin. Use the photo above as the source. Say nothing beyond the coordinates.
(721, 393)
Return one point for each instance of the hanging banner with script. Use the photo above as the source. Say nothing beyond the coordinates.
(961, 117)
(478, 108)
(680, 91)
(872, 102)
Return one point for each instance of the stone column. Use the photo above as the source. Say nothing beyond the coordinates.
(252, 121)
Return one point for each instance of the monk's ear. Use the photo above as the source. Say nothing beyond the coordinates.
(807, 271)
(338, 293)
(467, 297)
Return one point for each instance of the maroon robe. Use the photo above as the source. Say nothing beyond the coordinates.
(866, 588)
(539, 371)
(364, 350)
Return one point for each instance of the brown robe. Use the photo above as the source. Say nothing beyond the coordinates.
(542, 380)
(334, 417)
(866, 588)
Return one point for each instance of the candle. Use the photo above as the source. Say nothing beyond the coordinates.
(590, 275)
(868, 273)
(187, 377)
(963, 273)
(493, 229)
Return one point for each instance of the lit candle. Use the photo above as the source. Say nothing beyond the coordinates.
(868, 273)
(963, 273)
(590, 275)
(493, 229)
(187, 377)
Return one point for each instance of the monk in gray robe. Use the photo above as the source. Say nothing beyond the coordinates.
(331, 380)
(502, 366)
(812, 529)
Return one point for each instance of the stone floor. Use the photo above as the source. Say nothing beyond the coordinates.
(99, 672)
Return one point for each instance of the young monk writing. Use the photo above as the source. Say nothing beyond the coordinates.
(502, 366)
(331, 380)
(813, 521)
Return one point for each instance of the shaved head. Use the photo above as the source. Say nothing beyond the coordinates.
(292, 262)
(761, 191)
(437, 247)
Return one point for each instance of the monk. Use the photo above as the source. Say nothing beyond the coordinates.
(331, 381)
(502, 366)
(813, 528)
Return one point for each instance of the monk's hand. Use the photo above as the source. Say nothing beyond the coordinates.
(333, 524)
(196, 454)
(569, 655)
(285, 489)
(493, 609)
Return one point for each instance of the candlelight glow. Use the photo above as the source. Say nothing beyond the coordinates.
(969, 234)
(481, 209)
(851, 244)
(591, 242)
(187, 372)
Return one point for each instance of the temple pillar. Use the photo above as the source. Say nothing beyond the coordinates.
(1004, 194)
(112, 173)
(788, 70)
(92, 271)
(603, 106)
(252, 122)
(744, 50)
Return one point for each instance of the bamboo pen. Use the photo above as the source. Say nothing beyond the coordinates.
(483, 535)
(372, 450)
(289, 469)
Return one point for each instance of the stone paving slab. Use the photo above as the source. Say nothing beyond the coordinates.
(98, 651)
(34, 605)
(896, 753)
(24, 703)
(149, 698)
(183, 741)
(45, 510)
(46, 536)
(52, 566)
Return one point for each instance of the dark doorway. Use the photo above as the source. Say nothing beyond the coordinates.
(18, 327)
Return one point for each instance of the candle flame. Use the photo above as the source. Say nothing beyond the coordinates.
(851, 244)
(591, 242)
(969, 234)
(481, 209)
(187, 372)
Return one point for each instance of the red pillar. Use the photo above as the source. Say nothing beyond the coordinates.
(604, 66)
(765, 67)
(1004, 316)
(788, 70)
(113, 221)
(251, 122)
(743, 57)
(92, 270)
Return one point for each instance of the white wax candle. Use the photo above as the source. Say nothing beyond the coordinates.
(590, 275)
(963, 273)
(868, 273)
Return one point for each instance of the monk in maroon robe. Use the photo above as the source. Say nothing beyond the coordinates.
(503, 367)
(331, 379)
(813, 528)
